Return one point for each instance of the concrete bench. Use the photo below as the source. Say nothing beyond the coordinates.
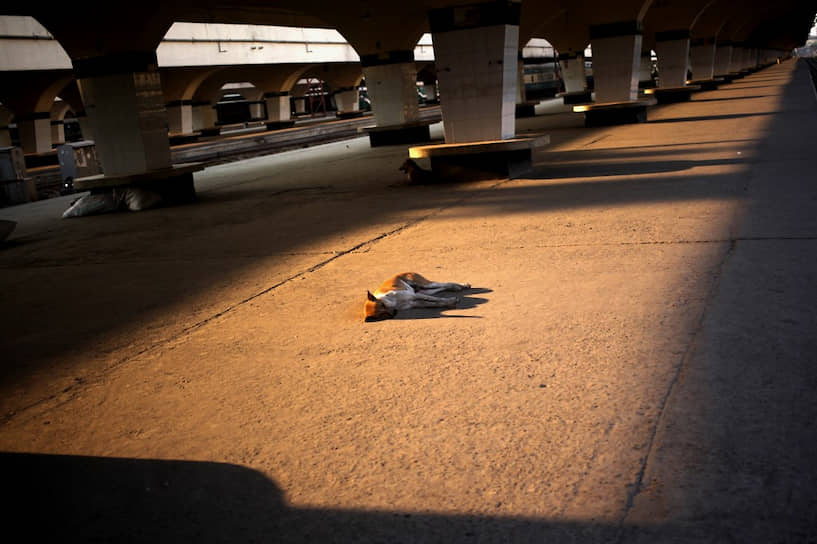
(408, 133)
(600, 114)
(670, 95)
(576, 97)
(475, 161)
(706, 84)
(174, 184)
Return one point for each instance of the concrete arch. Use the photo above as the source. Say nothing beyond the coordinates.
(59, 109)
(336, 76)
(108, 29)
(251, 93)
(181, 84)
(29, 92)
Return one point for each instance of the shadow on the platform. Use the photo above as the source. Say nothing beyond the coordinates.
(466, 302)
(60, 498)
(606, 168)
(728, 99)
(712, 117)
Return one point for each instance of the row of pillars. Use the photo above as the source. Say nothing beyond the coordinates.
(476, 56)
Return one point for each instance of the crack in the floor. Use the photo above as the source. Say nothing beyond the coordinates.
(74, 390)
(636, 487)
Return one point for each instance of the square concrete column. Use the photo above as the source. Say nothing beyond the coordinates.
(723, 57)
(431, 92)
(180, 116)
(347, 100)
(5, 119)
(123, 99)
(702, 59)
(574, 74)
(277, 106)
(85, 126)
(521, 95)
(391, 81)
(672, 49)
(204, 118)
(616, 60)
(57, 132)
(476, 51)
(736, 62)
(645, 79)
(34, 130)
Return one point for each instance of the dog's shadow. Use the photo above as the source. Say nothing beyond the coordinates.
(466, 302)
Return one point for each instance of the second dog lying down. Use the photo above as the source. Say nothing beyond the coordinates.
(405, 291)
(417, 175)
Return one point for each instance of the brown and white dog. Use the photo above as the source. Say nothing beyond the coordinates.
(417, 175)
(405, 291)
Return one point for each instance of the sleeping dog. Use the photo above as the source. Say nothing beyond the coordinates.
(405, 291)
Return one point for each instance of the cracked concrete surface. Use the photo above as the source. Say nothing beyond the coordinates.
(634, 363)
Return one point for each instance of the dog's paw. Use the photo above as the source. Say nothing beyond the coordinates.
(452, 302)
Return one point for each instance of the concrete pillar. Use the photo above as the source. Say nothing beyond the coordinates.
(277, 106)
(204, 117)
(737, 59)
(258, 110)
(476, 51)
(521, 95)
(645, 79)
(123, 98)
(431, 92)
(702, 59)
(752, 61)
(57, 132)
(5, 119)
(616, 60)
(180, 116)
(672, 49)
(391, 81)
(85, 126)
(573, 73)
(347, 99)
(35, 131)
(723, 58)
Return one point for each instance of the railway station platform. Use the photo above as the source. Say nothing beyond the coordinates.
(634, 362)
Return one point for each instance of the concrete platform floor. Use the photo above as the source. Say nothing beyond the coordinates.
(635, 363)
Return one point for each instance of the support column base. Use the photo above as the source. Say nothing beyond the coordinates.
(174, 185)
(475, 161)
(671, 95)
(706, 84)
(615, 113)
(526, 109)
(399, 134)
(577, 97)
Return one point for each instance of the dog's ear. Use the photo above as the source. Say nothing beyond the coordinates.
(370, 296)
